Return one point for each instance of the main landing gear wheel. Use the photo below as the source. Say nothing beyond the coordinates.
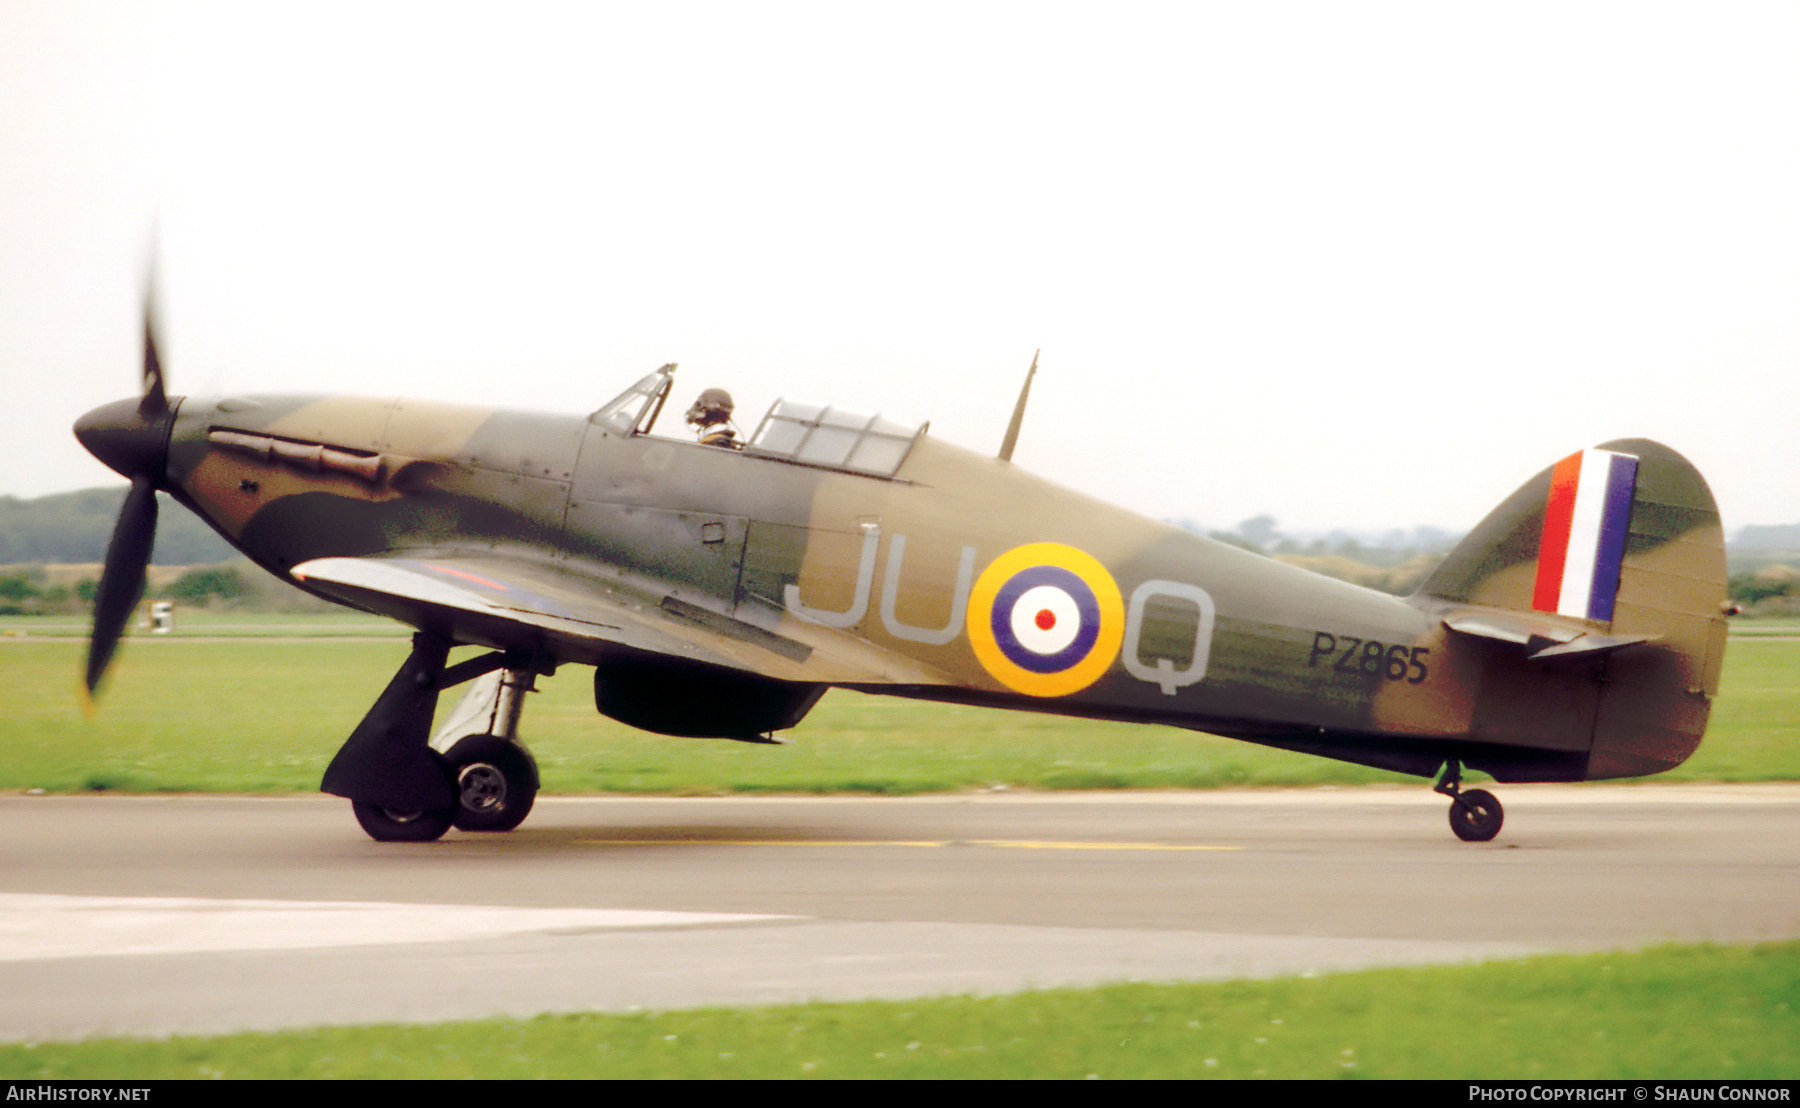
(386, 825)
(1476, 816)
(495, 784)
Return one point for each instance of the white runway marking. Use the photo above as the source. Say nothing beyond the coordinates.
(34, 927)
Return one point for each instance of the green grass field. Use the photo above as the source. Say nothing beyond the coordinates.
(1718, 1013)
(260, 704)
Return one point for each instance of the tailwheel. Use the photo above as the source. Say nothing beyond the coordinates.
(496, 783)
(1475, 815)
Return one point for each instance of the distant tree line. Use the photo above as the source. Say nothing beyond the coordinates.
(1772, 590)
(35, 590)
(24, 592)
(69, 590)
(74, 528)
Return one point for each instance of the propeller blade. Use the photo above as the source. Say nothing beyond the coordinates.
(133, 440)
(156, 399)
(122, 581)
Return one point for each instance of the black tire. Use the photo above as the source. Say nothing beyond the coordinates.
(385, 825)
(1475, 816)
(496, 784)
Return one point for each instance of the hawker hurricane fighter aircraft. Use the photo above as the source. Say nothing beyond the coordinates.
(1576, 634)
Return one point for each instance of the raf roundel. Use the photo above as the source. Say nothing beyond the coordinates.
(1046, 619)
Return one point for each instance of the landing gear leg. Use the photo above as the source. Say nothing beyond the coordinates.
(1475, 814)
(402, 785)
(398, 786)
(496, 778)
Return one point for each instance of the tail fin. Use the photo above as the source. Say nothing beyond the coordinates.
(1615, 556)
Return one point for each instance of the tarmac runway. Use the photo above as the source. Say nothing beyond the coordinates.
(152, 916)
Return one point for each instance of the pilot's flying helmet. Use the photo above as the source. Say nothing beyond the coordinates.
(712, 406)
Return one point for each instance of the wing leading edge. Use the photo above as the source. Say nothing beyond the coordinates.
(512, 602)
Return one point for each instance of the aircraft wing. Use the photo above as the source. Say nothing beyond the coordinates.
(509, 601)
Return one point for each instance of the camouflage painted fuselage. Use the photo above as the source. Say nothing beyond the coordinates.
(964, 578)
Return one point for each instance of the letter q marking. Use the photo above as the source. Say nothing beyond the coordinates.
(1163, 674)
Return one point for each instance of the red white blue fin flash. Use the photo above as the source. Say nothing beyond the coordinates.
(1587, 517)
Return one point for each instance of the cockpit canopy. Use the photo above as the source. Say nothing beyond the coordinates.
(804, 434)
(634, 411)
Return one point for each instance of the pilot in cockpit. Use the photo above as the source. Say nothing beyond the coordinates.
(711, 418)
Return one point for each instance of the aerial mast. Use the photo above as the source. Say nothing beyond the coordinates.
(1018, 416)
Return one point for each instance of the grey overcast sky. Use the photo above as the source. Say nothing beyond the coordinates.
(1364, 265)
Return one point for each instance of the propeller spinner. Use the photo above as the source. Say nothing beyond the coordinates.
(132, 437)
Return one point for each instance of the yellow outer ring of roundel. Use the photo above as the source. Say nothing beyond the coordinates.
(1063, 682)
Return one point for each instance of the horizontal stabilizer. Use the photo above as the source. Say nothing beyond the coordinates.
(1543, 639)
